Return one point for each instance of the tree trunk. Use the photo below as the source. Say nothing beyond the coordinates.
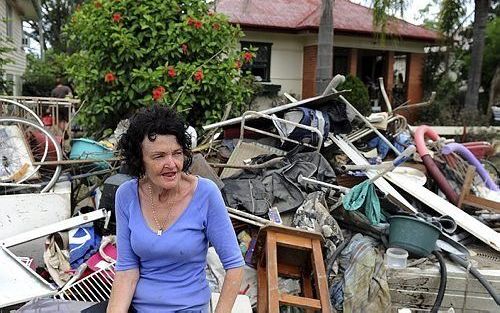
(477, 51)
(324, 62)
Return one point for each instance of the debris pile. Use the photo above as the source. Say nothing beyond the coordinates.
(333, 211)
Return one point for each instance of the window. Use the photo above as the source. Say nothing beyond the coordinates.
(261, 66)
(8, 20)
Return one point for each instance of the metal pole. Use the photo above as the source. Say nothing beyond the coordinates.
(367, 123)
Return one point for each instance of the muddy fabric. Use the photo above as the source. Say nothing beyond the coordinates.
(313, 215)
(258, 190)
(363, 285)
(56, 259)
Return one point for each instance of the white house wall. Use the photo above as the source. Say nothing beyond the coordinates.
(18, 56)
(286, 59)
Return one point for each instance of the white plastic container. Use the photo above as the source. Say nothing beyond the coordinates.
(396, 258)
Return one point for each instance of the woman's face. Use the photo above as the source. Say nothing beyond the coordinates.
(163, 160)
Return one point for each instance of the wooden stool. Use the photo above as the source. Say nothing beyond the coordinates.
(292, 253)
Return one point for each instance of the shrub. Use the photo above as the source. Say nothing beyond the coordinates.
(130, 53)
(358, 96)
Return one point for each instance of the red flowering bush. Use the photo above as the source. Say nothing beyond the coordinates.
(109, 77)
(129, 53)
(198, 76)
(158, 93)
(117, 17)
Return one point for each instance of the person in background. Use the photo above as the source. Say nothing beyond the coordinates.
(61, 90)
(166, 219)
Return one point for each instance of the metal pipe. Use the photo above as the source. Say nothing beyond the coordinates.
(368, 123)
(302, 179)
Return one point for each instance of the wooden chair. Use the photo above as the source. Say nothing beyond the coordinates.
(292, 253)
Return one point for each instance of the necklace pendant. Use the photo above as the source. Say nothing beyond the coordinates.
(158, 232)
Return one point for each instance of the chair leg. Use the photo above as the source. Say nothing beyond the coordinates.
(272, 273)
(320, 277)
(262, 287)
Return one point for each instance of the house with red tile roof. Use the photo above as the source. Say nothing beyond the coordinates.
(286, 33)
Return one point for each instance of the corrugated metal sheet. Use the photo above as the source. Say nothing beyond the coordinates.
(305, 14)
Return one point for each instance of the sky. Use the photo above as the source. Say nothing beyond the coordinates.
(412, 14)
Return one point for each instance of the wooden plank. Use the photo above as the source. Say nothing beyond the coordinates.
(443, 207)
(307, 288)
(293, 241)
(469, 177)
(482, 203)
(301, 302)
(289, 271)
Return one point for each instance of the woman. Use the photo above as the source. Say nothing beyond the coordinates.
(165, 220)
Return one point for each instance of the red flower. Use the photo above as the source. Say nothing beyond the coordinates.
(216, 26)
(237, 64)
(117, 17)
(198, 76)
(171, 71)
(198, 24)
(109, 77)
(248, 56)
(184, 48)
(190, 21)
(158, 93)
(97, 4)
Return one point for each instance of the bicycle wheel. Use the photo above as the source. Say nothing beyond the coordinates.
(24, 148)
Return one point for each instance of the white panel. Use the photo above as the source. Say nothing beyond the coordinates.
(19, 283)
(23, 212)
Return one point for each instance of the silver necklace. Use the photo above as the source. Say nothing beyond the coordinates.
(160, 227)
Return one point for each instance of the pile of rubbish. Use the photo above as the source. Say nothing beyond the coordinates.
(333, 211)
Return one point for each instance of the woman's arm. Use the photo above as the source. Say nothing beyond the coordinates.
(230, 289)
(123, 291)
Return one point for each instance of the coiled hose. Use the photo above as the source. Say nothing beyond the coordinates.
(466, 264)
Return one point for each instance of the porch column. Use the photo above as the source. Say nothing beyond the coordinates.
(389, 75)
(414, 78)
(353, 62)
(309, 72)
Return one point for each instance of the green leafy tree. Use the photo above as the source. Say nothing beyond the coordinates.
(55, 15)
(41, 74)
(130, 53)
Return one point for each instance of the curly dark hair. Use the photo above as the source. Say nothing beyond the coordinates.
(150, 122)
